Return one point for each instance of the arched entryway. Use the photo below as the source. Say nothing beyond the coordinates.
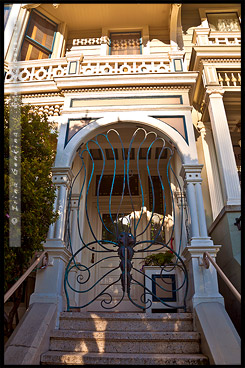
(125, 204)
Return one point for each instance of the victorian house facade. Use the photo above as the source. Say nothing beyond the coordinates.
(146, 99)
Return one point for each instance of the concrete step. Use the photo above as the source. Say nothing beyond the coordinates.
(104, 321)
(125, 342)
(78, 358)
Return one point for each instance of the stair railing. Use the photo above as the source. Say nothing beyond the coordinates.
(206, 262)
(44, 258)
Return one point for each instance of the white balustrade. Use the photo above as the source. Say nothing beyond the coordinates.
(122, 65)
(47, 69)
(229, 78)
(225, 39)
(36, 70)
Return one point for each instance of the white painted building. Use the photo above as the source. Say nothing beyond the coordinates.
(170, 69)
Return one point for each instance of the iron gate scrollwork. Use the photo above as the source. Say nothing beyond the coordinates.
(124, 243)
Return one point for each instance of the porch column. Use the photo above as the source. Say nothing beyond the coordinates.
(61, 179)
(212, 169)
(192, 179)
(73, 296)
(203, 282)
(49, 282)
(223, 145)
(180, 227)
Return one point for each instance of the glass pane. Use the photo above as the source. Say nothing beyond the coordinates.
(41, 30)
(157, 193)
(223, 22)
(122, 225)
(31, 52)
(125, 43)
(106, 182)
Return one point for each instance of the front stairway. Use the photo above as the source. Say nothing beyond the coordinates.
(124, 338)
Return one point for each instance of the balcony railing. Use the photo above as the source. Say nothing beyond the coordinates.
(229, 78)
(206, 37)
(48, 69)
(223, 39)
(36, 70)
(115, 65)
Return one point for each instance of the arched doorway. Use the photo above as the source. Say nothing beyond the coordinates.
(124, 188)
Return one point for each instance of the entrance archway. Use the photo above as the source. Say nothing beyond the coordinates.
(124, 179)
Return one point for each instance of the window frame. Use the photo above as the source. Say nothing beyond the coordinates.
(223, 12)
(124, 32)
(144, 31)
(34, 42)
(204, 11)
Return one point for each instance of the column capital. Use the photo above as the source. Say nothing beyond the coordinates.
(180, 198)
(62, 175)
(74, 201)
(211, 90)
(191, 173)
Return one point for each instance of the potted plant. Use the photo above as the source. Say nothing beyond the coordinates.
(159, 259)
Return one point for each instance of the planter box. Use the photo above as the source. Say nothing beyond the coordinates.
(168, 281)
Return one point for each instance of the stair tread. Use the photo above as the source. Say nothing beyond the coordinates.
(125, 335)
(129, 316)
(123, 355)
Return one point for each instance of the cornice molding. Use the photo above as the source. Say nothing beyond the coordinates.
(119, 89)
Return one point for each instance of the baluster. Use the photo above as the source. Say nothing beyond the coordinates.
(97, 68)
(233, 79)
(227, 79)
(220, 79)
(239, 78)
(152, 67)
(115, 70)
(32, 73)
(50, 70)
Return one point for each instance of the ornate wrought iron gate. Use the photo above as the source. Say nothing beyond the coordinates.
(123, 239)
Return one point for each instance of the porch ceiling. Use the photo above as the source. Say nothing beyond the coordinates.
(94, 16)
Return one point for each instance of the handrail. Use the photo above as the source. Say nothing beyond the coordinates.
(224, 278)
(24, 276)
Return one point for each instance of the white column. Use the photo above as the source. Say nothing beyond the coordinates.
(215, 190)
(192, 179)
(49, 286)
(193, 210)
(60, 223)
(181, 203)
(201, 211)
(223, 146)
(52, 226)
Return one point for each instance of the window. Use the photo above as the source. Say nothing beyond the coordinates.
(223, 22)
(126, 43)
(7, 9)
(39, 38)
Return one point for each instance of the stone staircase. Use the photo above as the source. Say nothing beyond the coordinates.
(102, 338)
